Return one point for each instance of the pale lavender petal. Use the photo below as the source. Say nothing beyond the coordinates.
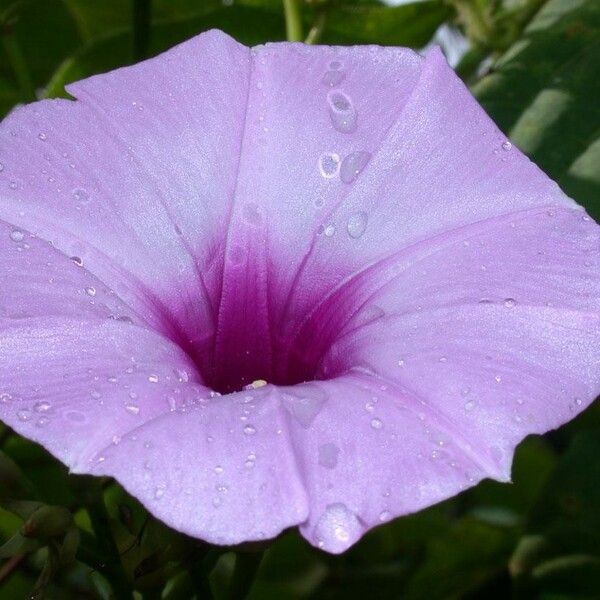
(110, 398)
(137, 177)
(370, 451)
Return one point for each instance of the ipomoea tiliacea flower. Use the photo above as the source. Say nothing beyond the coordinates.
(345, 224)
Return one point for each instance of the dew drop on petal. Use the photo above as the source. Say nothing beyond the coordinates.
(159, 492)
(42, 407)
(304, 402)
(376, 423)
(42, 136)
(328, 455)
(333, 78)
(329, 164)
(329, 230)
(506, 145)
(510, 302)
(90, 291)
(342, 112)
(132, 409)
(24, 415)
(384, 515)
(337, 529)
(81, 195)
(249, 430)
(357, 224)
(470, 405)
(17, 236)
(353, 164)
(153, 378)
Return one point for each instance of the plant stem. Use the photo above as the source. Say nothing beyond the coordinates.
(293, 20)
(316, 31)
(244, 574)
(10, 565)
(142, 17)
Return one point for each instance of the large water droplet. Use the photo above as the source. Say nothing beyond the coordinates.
(333, 78)
(17, 236)
(42, 407)
(337, 529)
(329, 164)
(357, 224)
(328, 455)
(353, 164)
(304, 402)
(342, 112)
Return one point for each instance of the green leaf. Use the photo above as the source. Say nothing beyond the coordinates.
(544, 94)
(248, 25)
(407, 25)
(471, 555)
(567, 511)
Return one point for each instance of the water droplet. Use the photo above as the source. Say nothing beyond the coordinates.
(337, 529)
(77, 260)
(90, 291)
(333, 78)
(376, 423)
(498, 378)
(357, 224)
(42, 136)
(24, 415)
(250, 460)
(5, 398)
(252, 214)
(81, 195)
(342, 112)
(470, 405)
(329, 164)
(42, 421)
(304, 402)
(510, 302)
(401, 362)
(42, 407)
(353, 164)
(12, 185)
(153, 378)
(218, 469)
(443, 359)
(17, 236)
(506, 145)
(132, 409)
(159, 492)
(329, 230)
(385, 515)
(328, 455)
(249, 430)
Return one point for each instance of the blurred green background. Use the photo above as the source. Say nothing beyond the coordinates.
(535, 67)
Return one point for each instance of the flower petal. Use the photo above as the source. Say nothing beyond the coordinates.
(372, 452)
(137, 176)
(113, 398)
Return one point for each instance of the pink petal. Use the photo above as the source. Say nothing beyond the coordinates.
(287, 213)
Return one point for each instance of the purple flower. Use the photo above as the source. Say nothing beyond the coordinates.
(345, 224)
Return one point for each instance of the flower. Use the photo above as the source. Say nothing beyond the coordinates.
(344, 224)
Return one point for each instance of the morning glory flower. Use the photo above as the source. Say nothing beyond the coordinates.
(287, 286)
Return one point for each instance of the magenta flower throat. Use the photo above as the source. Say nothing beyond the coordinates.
(344, 224)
